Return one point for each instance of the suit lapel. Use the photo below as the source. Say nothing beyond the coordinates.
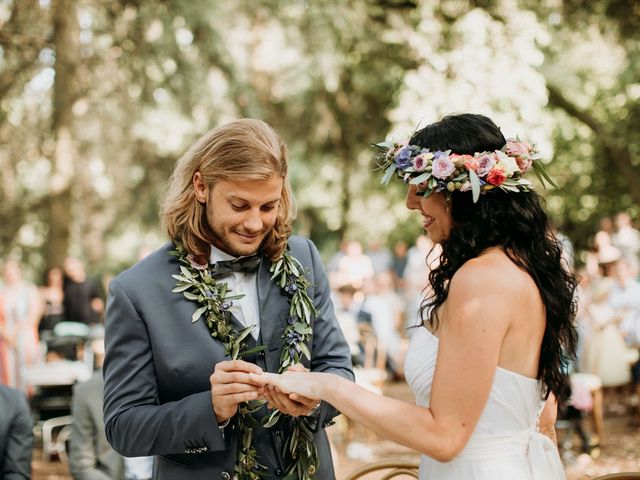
(272, 307)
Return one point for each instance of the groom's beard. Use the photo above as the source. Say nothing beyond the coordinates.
(232, 240)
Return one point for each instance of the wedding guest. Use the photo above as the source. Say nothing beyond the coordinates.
(16, 435)
(52, 295)
(82, 298)
(627, 239)
(19, 334)
(90, 455)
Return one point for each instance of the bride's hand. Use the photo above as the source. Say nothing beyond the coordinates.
(304, 384)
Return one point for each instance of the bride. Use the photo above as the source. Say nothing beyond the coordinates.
(488, 360)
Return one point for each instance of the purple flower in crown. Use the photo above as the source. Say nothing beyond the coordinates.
(403, 157)
(442, 167)
(420, 162)
(485, 164)
(441, 186)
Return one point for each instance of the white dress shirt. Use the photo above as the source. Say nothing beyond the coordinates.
(246, 309)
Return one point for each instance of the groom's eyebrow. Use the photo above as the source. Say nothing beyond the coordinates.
(242, 199)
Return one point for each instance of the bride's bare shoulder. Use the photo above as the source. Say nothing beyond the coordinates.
(493, 271)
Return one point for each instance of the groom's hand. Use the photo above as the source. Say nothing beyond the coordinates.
(290, 404)
(230, 386)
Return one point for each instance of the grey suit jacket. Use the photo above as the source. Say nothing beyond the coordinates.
(16, 435)
(158, 364)
(90, 455)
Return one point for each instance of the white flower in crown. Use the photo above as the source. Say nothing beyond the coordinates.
(508, 164)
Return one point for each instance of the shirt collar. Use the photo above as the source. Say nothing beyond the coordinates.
(218, 255)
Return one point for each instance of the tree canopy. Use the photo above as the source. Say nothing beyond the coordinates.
(99, 98)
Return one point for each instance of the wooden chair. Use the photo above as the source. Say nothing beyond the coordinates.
(394, 469)
(619, 476)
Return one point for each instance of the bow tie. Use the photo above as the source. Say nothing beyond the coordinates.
(239, 265)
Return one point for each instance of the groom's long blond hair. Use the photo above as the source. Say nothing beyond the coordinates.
(241, 150)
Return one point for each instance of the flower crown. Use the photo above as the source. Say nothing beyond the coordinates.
(445, 171)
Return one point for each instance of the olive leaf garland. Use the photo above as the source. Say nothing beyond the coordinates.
(214, 301)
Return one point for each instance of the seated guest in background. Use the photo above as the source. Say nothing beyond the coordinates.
(16, 435)
(90, 455)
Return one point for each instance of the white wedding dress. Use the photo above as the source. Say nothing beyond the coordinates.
(505, 444)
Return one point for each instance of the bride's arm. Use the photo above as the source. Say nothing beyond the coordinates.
(476, 320)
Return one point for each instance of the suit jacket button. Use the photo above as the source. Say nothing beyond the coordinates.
(225, 476)
(261, 355)
(278, 472)
(277, 433)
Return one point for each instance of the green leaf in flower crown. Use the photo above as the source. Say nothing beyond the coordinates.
(542, 173)
(420, 178)
(475, 185)
(388, 173)
(383, 145)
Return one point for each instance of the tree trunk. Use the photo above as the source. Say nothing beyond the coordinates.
(345, 200)
(65, 39)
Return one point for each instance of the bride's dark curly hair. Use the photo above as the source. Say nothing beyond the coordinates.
(516, 222)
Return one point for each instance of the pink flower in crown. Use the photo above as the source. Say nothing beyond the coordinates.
(496, 177)
(471, 163)
(442, 167)
(194, 263)
(518, 149)
(421, 162)
(485, 164)
(524, 164)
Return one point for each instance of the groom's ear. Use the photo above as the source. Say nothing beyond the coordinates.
(200, 188)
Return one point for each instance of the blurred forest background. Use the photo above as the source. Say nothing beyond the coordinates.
(98, 98)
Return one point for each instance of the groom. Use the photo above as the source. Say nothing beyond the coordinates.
(170, 389)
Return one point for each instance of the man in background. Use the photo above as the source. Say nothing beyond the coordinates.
(82, 299)
(16, 435)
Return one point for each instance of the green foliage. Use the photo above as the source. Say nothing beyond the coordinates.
(146, 78)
